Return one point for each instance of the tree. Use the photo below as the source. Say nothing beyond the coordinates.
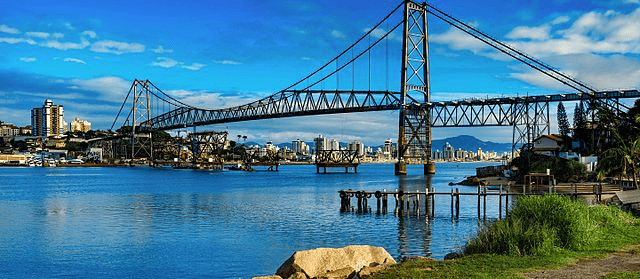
(623, 158)
(580, 127)
(563, 122)
(579, 117)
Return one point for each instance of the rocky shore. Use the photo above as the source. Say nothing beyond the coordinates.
(356, 261)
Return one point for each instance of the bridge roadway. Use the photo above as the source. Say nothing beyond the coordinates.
(505, 111)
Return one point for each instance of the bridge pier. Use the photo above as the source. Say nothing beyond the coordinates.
(429, 168)
(401, 168)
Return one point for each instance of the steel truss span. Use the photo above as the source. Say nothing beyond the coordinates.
(286, 104)
(153, 110)
(464, 113)
(508, 111)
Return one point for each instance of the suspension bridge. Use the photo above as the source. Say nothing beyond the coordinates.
(147, 108)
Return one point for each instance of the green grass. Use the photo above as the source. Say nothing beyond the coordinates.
(543, 232)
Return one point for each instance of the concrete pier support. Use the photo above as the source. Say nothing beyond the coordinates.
(430, 168)
(401, 168)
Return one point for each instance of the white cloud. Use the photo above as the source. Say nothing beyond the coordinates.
(560, 20)
(9, 30)
(227, 62)
(165, 62)
(533, 33)
(65, 45)
(57, 35)
(194, 66)
(380, 32)
(75, 60)
(28, 59)
(112, 89)
(89, 33)
(161, 49)
(117, 48)
(458, 40)
(41, 35)
(601, 72)
(337, 34)
(17, 41)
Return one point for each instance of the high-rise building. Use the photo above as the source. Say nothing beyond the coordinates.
(321, 143)
(358, 147)
(300, 147)
(334, 145)
(48, 120)
(448, 152)
(388, 148)
(78, 125)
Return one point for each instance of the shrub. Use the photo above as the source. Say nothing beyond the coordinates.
(538, 225)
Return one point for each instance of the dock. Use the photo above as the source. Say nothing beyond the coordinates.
(406, 202)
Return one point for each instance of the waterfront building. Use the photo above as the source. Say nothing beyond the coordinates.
(321, 143)
(48, 120)
(9, 130)
(460, 154)
(388, 149)
(80, 126)
(300, 147)
(358, 147)
(334, 144)
(437, 155)
(448, 152)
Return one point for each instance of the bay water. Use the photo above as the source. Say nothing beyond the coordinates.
(143, 222)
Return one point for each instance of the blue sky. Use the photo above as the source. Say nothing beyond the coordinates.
(214, 54)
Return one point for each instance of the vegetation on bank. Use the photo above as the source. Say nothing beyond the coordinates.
(542, 232)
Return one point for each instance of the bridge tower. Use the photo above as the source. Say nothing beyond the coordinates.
(414, 135)
(141, 140)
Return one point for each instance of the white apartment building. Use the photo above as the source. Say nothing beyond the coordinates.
(48, 120)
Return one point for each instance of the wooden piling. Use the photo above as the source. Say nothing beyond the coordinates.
(484, 208)
(478, 202)
(457, 203)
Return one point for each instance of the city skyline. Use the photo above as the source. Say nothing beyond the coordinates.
(217, 54)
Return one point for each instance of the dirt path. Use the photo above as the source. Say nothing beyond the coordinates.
(627, 260)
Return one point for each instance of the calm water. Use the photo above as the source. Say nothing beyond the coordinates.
(165, 223)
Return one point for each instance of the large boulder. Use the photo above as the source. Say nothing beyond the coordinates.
(318, 262)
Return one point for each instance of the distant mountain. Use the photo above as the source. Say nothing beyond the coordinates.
(470, 143)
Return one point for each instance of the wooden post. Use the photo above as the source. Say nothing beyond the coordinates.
(500, 203)
(451, 203)
(384, 202)
(506, 205)
(433, 203)
(484, 208)
(426, 201)
(457, 203)
(416, 205)
(478, 202)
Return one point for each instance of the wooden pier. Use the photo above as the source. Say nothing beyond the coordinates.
(406, 202)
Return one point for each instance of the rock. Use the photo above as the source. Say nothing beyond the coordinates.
(267, 277)
(368, 271)
(452, 255)
(320, 261)
(347, 272)
(297, 275)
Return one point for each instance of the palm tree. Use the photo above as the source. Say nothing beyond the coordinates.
(623, 158)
